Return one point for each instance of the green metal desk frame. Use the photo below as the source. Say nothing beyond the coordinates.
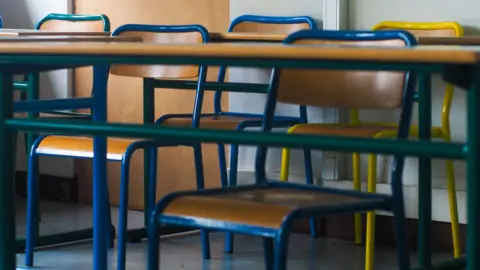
(424, 149)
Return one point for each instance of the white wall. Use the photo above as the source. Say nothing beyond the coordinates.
(24, 14)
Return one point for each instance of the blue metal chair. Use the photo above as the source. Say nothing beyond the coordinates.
(240, 121)
(1, 22)
(121, 150)
(278, 205)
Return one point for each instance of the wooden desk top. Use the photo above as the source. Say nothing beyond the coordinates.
(256, 37)
(468, 40)
(31, 39)
(424, 54)
(32, 32)
(245, 37)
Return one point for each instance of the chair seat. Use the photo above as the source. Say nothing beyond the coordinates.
(81, 147)
(225, 122)
(341, 129)
(260, 207)
(360, 130)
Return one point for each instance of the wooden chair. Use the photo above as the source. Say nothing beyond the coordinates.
(29, 87)
(388, 130)
(240, 121)
(269, 209)
(120, 150)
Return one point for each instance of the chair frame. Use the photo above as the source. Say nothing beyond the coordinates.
(30, 91)
(276, 257)
(442, 133)
(149, 146)
(280, 121)
(1, 22)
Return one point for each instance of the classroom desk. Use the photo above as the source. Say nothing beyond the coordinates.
(33, 32)
(68, 38)
(32, 94)
(256, 37)
(39, 57)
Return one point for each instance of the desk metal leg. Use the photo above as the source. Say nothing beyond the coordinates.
(100, 207)
(425, 174)
(473, 172)
(7, 187)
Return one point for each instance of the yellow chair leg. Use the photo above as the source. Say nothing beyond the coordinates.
(357, 185)
(452, 198)
(370, 237)
(285, 168)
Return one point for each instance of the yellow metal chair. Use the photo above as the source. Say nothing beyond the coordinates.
(356, 127)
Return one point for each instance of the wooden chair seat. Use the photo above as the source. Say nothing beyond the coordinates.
(261, 207)
(81, 147)
(226, 122)
(360, 130)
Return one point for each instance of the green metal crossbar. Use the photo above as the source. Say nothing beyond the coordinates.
(345, 144)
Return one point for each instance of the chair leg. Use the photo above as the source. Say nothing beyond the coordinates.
(123, 211)
(232, 181)
(223, 165)
(307, 156)
(268, 252)
(285, 167)
(152, 196)
(452, 197)
(357, 185)
(281, 250)
(153, 244)
(403, 255)
(197, 149)
(370, 238)
(32, 209)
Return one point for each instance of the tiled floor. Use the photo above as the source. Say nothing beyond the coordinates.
(185, 253)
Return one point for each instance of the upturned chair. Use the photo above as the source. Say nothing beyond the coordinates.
(279, 204)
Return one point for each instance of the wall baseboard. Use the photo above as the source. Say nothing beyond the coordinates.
(52, 188)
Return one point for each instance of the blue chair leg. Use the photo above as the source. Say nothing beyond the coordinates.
(110, 237)
(268, 252)
(401, 238)
(153, 244)
(197, 150)
(223, 165)
(307, 155)
(152, 185)
(32, 208)
(281, 250)
(229, 240)
(123, 211)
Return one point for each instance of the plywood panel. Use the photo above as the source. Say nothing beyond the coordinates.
(176, 170)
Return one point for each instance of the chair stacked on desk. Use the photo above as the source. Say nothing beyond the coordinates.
(359, 128)
(278, 205)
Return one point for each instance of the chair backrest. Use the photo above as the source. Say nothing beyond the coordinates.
(267, 25)
(344, 89)
(189, 34)
(334, 88)
(1, 22)
(74, 23)
(271, 24)
(427, 29)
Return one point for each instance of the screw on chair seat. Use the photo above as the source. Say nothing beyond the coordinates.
(264, 207)
(81, 147)
(226, 122)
